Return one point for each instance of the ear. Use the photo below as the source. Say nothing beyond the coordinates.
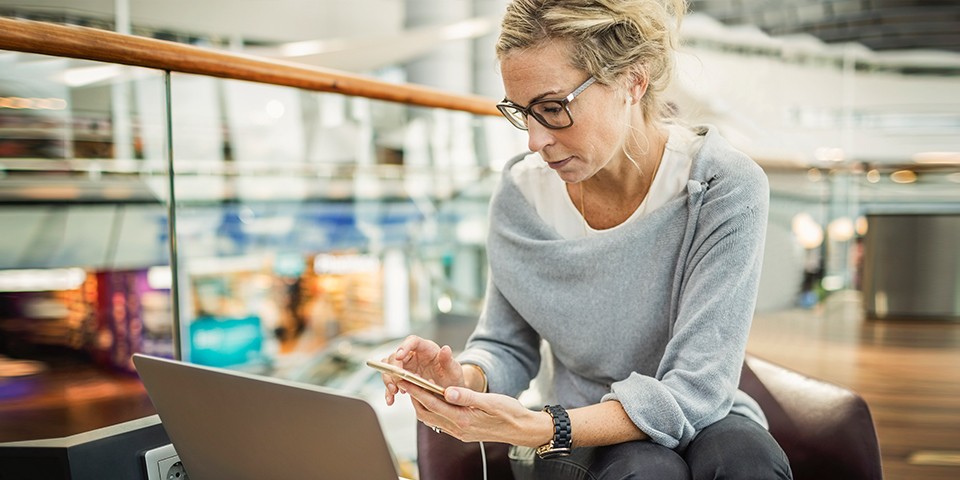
(637, 84)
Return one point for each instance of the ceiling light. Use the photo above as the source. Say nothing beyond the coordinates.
(160, 277)
(904, 176)
(841, 229)
(19, 103)
(862, 225)
(58, 279)
(808, 232)
(82, 76)
(827, 154)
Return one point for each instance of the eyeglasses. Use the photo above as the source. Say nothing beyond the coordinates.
(550, 112)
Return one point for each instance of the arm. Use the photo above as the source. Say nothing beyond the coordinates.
(697, 377)
(604, 423)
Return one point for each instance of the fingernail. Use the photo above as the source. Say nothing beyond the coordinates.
(452, 394)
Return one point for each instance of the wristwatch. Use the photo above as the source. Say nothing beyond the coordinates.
(562, 441)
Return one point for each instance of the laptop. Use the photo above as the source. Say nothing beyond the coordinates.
(237, 426)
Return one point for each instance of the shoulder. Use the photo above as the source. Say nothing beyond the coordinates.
(728, 172)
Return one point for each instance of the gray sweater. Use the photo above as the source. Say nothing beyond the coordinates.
(654, 314)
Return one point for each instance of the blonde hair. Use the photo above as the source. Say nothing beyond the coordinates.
(609, 38)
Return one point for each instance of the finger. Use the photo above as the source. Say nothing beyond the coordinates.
(446, 351)
(463, 397)
(409, 344)
(442, 367)
(390, 385)
(417, 353)
(445, 356)
(429, 400)
(425, 404)
(390, 390)
(424, 414)
(458, 421)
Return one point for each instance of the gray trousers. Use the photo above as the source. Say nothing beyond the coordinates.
(735, 448)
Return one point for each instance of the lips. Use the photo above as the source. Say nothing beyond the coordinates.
(559, 164)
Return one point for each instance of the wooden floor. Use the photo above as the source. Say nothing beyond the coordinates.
(908, 372)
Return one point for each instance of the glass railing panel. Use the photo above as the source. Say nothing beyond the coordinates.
(84, 259)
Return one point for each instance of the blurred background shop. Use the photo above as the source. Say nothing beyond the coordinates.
(313, 229)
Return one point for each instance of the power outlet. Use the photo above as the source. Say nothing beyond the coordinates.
(175, 470)
(163, 463)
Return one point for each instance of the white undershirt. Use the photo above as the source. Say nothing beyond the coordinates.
(544, 189)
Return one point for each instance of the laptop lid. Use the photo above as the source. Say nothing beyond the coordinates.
(235, 426)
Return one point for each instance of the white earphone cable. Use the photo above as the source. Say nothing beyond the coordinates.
(483, 457)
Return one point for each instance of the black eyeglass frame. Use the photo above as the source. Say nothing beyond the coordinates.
(528, 110)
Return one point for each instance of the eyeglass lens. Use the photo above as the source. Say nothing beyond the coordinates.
(550, 113)
(516, 116)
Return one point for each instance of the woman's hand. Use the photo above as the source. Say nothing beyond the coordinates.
(473, 416)
(462, 412)
(425, 358)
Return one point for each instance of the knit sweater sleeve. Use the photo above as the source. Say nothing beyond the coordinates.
(698, 375)
(503, 345)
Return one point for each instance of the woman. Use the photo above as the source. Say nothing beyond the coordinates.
(628, 247)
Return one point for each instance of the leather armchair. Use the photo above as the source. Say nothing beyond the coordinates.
(826, 431)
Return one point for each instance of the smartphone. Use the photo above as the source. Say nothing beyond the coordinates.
(405, 375)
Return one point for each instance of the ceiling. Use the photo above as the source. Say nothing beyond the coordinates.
(880, 25)
(253, 21)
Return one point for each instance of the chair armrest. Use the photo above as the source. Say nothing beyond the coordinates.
(826, 430)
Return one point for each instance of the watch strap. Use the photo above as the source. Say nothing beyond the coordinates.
(562, 441)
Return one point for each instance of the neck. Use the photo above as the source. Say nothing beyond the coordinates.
(630, 174)
(608, 198)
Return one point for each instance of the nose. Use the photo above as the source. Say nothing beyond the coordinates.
(538, 136)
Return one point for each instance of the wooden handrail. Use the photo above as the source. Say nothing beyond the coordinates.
(104, 46)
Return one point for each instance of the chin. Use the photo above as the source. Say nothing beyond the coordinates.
(571, 177)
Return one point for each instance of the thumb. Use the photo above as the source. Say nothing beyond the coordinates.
(461, 396)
